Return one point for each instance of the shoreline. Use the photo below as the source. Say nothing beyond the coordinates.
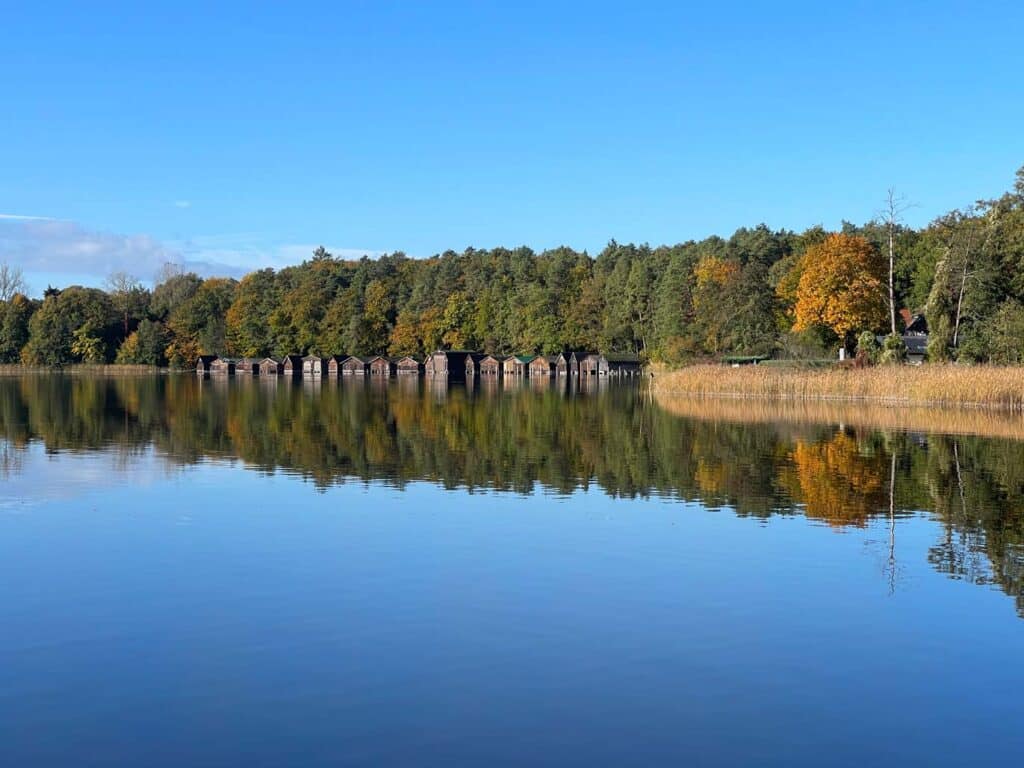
(84, 369)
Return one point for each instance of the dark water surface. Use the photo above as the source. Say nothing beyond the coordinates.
(274, 573)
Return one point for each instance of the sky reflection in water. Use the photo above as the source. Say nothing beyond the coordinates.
(265, 573)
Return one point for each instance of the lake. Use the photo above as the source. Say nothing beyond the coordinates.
(267, 572)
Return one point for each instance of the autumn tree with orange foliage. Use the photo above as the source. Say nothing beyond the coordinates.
(841, 286)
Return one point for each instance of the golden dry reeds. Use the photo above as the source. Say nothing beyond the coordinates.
(992, 387)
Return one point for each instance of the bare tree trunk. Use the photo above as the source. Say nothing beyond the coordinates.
(959, 305)
(891, 226)
(963, 286)
(892, 215)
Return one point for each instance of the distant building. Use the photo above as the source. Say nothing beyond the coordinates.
(448, 362)
(473, 360)
(518, 365)
(914, 336)
(291, 365)
(381, 366)
(543, 367)
(334, 363)
(917, 347)
(248, 366)
(609, 365)
(271, 366)
(355, 366)
(918, 326)
(203, 363)
(491, 367)
(222, 366)
(312, 365)
(408, 366)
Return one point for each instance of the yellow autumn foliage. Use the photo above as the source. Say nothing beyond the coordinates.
(841, 286)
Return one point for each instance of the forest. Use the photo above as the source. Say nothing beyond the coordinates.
(759, 292)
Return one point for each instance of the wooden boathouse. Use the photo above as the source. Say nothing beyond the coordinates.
(518, 365)
(542, 366)
(408, 366)
(447, 362)
(291, 365)
(491, 367)
(247, 366)
(381, 366)
(568, 363)
(610, 365)
(473, 360)
(312, 365)
(222, 366)
(271, 366)
(334, 365)
(203, 363)
(355, 366)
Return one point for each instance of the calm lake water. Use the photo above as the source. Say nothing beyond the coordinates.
(393, 573)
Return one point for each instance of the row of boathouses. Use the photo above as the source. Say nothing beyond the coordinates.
(452, 364)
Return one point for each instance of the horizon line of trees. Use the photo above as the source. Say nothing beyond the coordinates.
(759, 292)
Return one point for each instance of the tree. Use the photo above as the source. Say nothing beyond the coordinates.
(127, 294)
(87, 343)
(145, 346)
(12, 281)
(198, 326)
(964, 285)
(173, 290)
(249, 331)
(15, 314)
(1005, 334)
(712, 276)
(404, 337)
(867, 348)
(841, 286)
(78, 324)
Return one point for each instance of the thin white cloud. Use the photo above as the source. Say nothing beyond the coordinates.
(182, 203)
(20, 217)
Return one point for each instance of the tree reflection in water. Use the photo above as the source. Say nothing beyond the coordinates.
(756, 461)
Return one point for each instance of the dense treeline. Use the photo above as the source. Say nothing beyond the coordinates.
(513, 439)
(759, 292)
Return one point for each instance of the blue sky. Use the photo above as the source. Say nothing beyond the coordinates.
(230, 137)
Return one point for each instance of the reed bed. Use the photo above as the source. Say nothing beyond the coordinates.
(950, 386)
